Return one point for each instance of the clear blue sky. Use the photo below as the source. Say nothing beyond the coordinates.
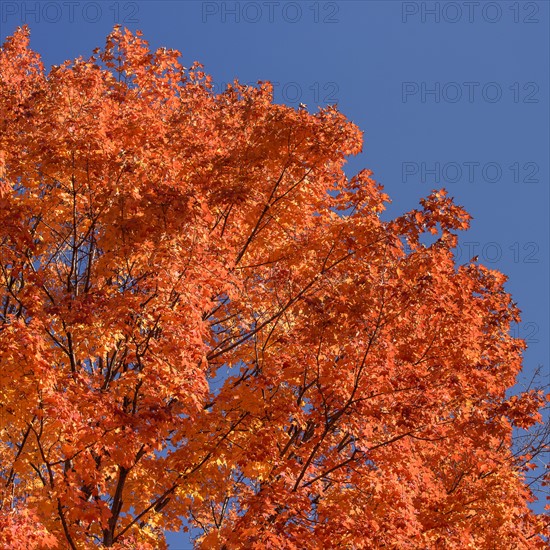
(454, 92)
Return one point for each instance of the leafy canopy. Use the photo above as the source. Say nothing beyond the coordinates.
(203, 320)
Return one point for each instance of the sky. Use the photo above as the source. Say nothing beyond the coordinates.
(448, 94)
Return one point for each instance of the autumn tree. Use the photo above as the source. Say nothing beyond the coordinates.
(204, 320)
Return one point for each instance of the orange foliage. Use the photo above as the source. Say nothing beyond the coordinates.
(203, 318)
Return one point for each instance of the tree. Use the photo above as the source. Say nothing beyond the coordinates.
(204, 319)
